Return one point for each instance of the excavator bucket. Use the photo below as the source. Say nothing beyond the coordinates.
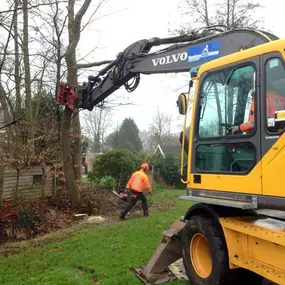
(166, 263)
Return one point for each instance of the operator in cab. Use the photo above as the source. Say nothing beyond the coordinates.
(137, 184)
(274, 102)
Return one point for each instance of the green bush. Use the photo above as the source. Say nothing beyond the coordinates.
(118, 164)
(170, 171)
(167, 169)
(27, 218)
(107, 182)
(113, 168)
(91, 177)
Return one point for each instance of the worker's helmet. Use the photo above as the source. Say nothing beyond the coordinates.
(145, 166)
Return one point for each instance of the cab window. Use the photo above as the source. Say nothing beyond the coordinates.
(275, 95)
(226, 101)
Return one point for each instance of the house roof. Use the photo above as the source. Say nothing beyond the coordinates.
(174, 150)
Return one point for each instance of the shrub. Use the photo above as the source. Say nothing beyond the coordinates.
(168, 169)
(107, 182)
(118, 164)
(91, 177)
(27, 219)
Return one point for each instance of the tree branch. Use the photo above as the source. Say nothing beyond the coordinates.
(31, 7)
(7, 43)
(92, 64)
(76, 26)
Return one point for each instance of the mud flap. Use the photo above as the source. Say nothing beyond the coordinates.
(159, 269)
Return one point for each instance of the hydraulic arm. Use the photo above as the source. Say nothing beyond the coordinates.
(183, 53)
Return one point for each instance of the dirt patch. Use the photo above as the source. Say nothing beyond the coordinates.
(101, 205)
(30, 219)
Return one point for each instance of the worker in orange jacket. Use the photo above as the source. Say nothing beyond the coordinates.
(137, 183)
(274, 102)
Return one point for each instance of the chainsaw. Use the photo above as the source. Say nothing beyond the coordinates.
(123, 195)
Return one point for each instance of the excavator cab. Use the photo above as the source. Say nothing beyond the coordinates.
(238, 88)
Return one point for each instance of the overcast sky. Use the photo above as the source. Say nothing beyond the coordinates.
(135, 20)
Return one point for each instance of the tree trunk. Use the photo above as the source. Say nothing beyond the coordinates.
(77, 149)
(228, 13)
(43, 188)
(7, 117)
(2, 172)
(17, 64)
(69, 174)
(207, 20)
(16, 193)
(17, 79)
(28, 91)
(2, 175)
(72, 168)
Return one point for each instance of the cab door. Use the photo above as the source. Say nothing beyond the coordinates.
(223, 160)
(273, 138)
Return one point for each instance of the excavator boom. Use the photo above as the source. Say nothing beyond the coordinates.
(185, 52)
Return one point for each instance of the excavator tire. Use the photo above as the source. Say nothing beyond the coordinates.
(205, 255)
(204, 252)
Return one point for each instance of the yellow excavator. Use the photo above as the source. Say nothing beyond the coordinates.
(232, 156)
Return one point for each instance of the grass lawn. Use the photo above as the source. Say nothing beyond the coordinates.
(98, 254)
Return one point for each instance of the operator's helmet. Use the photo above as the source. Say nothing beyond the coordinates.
(145, 166)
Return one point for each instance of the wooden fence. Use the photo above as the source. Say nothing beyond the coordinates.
(30, 183)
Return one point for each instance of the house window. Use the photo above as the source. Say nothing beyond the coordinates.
(37, 179)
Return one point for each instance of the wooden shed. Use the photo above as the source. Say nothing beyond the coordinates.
(30, 183)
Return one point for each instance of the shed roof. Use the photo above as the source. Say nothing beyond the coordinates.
(174, 150)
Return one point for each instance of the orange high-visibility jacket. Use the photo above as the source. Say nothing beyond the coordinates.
(138, 182)
(274, 102)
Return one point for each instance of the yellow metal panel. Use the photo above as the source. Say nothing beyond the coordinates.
(273, 165)
(258, 249)
(250, 183)
(255, 248)
(262, 269)
(244, 225)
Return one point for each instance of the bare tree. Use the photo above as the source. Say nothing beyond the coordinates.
(228, 13)
(161, 125)
(45, 23)
(28, 91)
(159, 132)
(238, 13)
(72, 167)
(96, 126)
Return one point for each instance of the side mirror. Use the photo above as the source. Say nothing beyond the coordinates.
(182, 104)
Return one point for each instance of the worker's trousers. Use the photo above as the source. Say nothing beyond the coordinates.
(135, 196)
